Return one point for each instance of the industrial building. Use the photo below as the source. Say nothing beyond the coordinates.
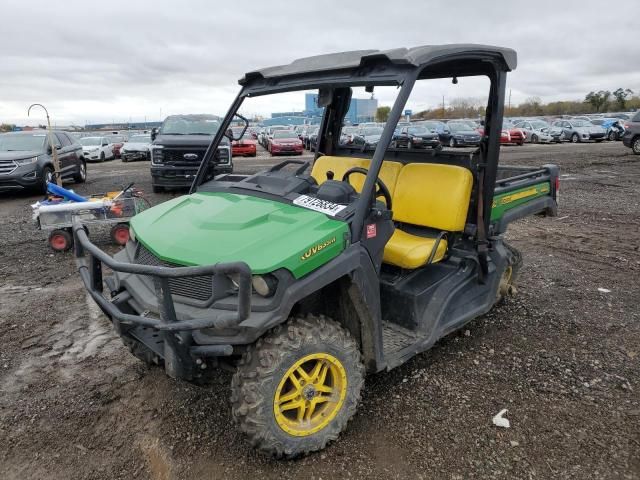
(360, 109)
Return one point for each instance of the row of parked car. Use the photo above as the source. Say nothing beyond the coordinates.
(26, 158)
(108, 147)
(280, 139)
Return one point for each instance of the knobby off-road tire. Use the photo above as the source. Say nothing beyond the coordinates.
(141, 352)
(510, 275)
(262, 386)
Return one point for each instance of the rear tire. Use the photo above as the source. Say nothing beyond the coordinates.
(308, 366)
(635, 145)
(612, 136)
(510, 274)
(60, 240)
(81, 175)
(120, 234)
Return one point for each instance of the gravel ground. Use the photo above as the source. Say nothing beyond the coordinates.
(562, 356)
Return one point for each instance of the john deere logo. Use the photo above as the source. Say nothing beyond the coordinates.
(538, 189)
(317, 248)
(190, 156)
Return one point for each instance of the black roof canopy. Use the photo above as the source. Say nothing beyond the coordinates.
(442, 60)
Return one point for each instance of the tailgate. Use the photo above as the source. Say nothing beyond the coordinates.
(524, 191)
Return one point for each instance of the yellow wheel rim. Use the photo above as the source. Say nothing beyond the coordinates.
(310, 394)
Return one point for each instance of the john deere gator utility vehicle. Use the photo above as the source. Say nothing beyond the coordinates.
(308, 275)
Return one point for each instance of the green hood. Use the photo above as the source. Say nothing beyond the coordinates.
(207, 228)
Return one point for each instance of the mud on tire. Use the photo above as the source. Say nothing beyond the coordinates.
(514, 262)
(264, 365)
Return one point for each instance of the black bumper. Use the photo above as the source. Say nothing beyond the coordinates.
(626, 139)
(135, 156)
(181, 176)
(176, 346)
(425, 143)
(21, 179)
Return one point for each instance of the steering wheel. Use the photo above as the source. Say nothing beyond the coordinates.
(381, 191)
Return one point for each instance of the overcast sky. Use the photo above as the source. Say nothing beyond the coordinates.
(115, 60)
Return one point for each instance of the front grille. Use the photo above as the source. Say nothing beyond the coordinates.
(195, 288)
(176, 157)
(7, 166)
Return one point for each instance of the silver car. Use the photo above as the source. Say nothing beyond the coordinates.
(580, 130)
(539, 131)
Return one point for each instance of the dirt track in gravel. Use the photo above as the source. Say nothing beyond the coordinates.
(561, 356)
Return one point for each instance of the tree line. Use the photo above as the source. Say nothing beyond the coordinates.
(594, 102)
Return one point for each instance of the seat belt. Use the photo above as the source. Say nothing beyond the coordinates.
(481, 233)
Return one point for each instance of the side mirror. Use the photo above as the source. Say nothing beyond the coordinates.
(229, 133)
(58, 146)
(104, 144)
(154, 133)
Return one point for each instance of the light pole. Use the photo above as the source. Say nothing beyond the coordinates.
(54, 151)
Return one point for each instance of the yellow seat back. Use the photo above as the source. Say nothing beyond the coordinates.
(389, 171)
(433, 195)
(338, 165)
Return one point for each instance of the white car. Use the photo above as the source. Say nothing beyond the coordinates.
(137, 148)
(97, 148)
(539, 131)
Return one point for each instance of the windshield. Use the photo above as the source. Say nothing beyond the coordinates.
(539, 124)
(581, 123)
(418, 131)
(458, 127)
(372, 131)
(140, 139)
(90, 141)
(433, 125)
(208, 125)
(284, 134)
(12, 142)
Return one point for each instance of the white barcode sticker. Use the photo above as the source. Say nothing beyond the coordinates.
(319, 205)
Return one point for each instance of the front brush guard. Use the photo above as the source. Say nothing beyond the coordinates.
(177, 351)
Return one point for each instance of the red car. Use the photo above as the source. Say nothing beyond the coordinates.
(118, 142)
(509, 134)
(516, 135)
(243, 148)
(285, 142)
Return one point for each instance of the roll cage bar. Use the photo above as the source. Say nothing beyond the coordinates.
(337, 73)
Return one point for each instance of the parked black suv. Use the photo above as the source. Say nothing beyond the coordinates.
(178, 147)
(26, 161)
(631, 137)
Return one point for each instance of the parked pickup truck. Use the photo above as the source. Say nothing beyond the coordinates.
(178, 147)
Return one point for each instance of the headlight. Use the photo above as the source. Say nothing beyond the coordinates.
(26, 161)
(156, 154)
(264, 285)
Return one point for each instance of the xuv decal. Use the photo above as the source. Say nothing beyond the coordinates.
(317, 248)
